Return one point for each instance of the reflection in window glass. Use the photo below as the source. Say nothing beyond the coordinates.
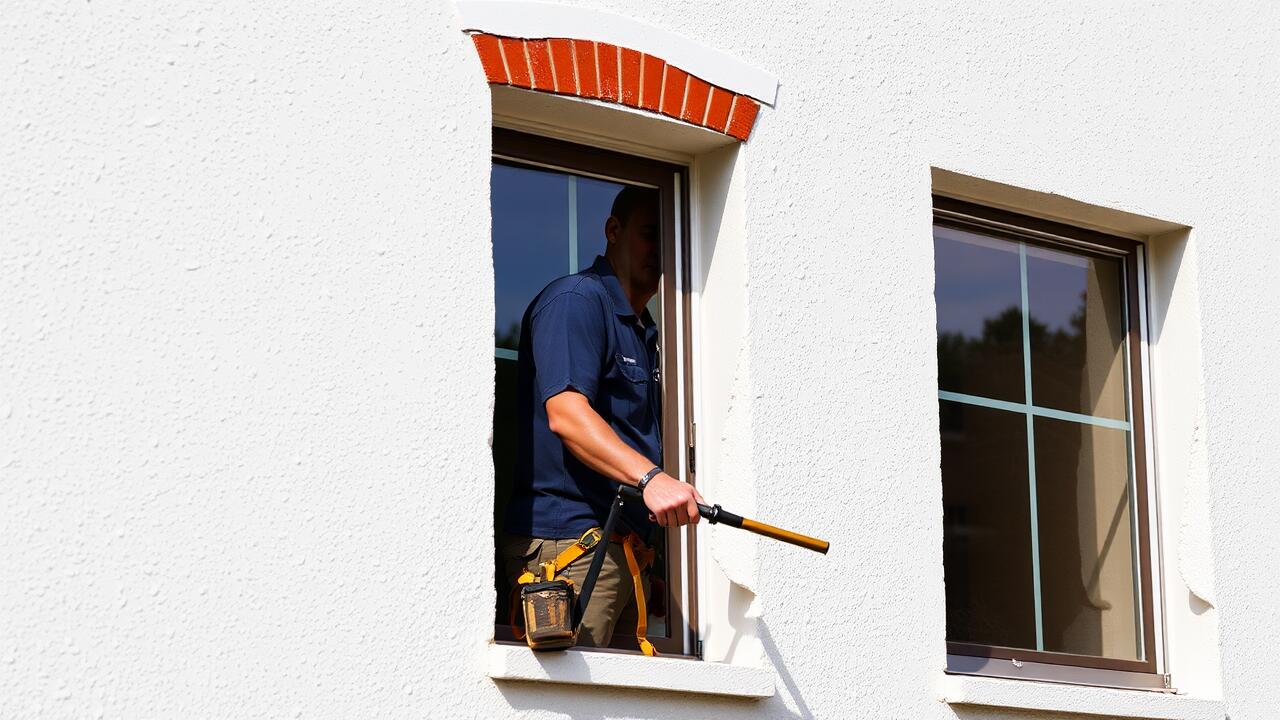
(978, 294)
(1040, 545)
(530, 241)
(986, 513)
(1086, 540)
(1077, 332)
(594, 198)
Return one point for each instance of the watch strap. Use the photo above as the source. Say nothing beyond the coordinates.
(647, 477)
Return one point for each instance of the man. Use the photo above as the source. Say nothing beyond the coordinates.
(590, 414)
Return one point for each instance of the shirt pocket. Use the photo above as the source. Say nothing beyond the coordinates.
(632, 371)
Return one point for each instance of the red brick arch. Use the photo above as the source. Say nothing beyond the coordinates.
(600, 71)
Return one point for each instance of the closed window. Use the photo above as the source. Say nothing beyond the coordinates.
(1044, 480)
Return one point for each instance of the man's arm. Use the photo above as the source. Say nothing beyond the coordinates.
(593, 442)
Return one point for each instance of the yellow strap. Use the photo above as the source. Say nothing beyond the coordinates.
(642, 611)
(588, 540)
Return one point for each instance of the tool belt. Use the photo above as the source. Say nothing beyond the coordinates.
(546, 597)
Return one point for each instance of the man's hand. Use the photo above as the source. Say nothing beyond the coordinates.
(671, 502)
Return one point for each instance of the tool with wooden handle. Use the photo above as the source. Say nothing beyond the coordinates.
(716, 514)
(713, 514)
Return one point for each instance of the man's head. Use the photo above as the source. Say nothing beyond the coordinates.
(635, 239)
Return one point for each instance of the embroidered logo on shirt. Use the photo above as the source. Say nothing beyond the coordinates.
(629, 361)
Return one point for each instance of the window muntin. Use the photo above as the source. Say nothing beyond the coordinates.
(1044, 494)
(549, 203)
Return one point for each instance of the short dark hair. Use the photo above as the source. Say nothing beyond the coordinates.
(631, 197)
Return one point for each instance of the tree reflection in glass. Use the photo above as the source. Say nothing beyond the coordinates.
(978, 294)
(1078, 332)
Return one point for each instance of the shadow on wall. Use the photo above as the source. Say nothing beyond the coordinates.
(1165, 268)
(787, 688)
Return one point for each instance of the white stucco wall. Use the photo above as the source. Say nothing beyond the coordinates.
(246, 345)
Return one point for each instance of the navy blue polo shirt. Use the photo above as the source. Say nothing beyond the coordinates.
(580, 333)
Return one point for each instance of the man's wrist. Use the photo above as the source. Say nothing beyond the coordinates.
(655, 472)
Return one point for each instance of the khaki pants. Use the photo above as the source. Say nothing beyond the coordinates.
(611, 601)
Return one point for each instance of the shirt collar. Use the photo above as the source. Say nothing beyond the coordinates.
(621, 305)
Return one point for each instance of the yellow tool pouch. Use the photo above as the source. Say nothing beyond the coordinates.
(548, 613)
(547, 601)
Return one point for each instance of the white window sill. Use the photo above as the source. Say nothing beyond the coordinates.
(605, 669)
(1080, 699)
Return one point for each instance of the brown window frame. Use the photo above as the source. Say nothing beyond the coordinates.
(522, 149)
(969, 658)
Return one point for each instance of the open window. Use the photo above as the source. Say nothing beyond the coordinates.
(550, 200)
(1047, 548)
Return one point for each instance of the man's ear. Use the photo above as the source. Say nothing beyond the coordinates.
(612, 229)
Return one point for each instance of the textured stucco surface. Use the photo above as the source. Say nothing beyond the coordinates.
(246, 338)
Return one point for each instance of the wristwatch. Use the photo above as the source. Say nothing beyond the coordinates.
(647, 477)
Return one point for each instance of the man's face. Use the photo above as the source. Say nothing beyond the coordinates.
(639, 246)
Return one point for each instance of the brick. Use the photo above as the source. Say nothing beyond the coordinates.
(517, 65)
(629, 86)
(673, 91)
(490, 52)
(695, 102)
(743, 117)
(540, 64)
(607, 67)
(718, 109)
(651, 82)
(562, 62)
(584, 56)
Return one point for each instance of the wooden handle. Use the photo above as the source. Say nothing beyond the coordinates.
(804, 541)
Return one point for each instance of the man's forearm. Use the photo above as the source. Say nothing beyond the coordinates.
(592, 441)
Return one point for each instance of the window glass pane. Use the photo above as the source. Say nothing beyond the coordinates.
(1077, 332)
(530, 241)
(987, 526)
(595, 198)
(1086, 540)
(979, 294)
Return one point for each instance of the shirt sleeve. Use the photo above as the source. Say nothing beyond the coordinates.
(568, 337)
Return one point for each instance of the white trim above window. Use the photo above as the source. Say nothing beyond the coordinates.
(547, 20)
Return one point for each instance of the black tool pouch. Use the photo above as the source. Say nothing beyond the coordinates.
(548, 614)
